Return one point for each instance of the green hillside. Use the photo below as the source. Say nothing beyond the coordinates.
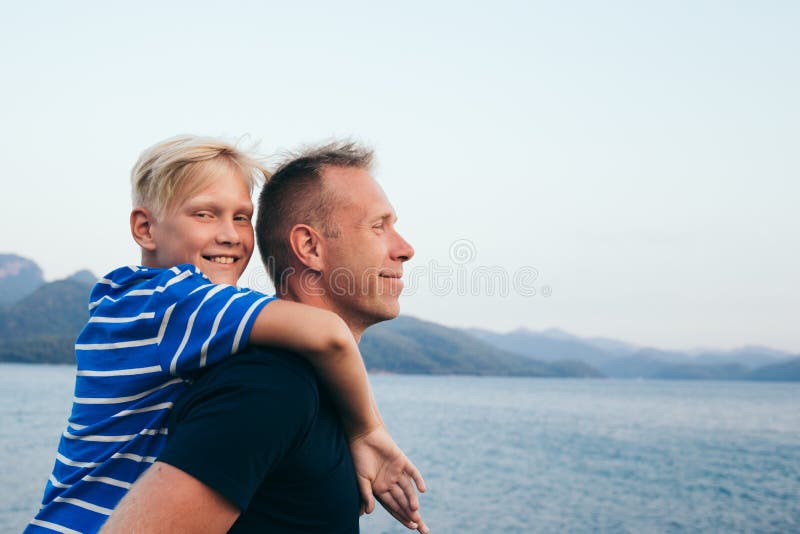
(55, 309)
(42, 327)
(409, 345)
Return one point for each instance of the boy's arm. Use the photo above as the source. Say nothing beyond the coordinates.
(322, 338)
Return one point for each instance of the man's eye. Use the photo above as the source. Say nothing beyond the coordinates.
(242, 218)
(202, 214)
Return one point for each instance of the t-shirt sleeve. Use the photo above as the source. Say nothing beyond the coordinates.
(203, 323)
(230, 435)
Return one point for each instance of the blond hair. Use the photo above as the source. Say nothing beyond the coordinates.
(183, 165)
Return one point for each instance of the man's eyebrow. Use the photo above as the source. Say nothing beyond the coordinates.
(384, 216)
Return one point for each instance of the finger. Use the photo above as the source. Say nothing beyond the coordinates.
(411, 514)
(414, 473)
(410, 492)
(402, 501)
(365, 489)
(390, 504)
(370, 507)
(422, 527)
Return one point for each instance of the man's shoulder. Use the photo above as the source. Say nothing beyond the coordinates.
(262, 360)
(261, 372)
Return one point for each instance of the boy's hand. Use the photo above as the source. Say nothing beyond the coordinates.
(383, 470)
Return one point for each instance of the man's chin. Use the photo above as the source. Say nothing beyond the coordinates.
(388, 313)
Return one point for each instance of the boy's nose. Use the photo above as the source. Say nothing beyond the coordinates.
(227, 234)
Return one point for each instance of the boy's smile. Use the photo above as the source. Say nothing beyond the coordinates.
(210, 228)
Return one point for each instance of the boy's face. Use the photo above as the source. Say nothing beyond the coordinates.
(211, 229)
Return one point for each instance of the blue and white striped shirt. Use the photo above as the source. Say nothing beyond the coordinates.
(149, 332)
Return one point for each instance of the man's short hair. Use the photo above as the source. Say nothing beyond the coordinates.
(185, 164)
(297, 194)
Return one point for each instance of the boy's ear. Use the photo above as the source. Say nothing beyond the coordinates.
(306, 245)
(142, 228)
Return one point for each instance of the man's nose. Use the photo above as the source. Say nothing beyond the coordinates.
(403, 251)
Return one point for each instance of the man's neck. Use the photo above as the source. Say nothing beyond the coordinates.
(319, 301)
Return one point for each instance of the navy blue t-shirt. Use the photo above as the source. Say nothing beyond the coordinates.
(259, 430)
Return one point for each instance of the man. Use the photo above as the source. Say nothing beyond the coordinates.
(256, 444)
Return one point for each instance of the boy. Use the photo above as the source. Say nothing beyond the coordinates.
(153, 327)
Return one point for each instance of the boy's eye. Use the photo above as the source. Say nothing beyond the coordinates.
(202, 214)
(242, 218)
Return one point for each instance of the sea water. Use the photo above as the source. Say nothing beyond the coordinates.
(523, 454)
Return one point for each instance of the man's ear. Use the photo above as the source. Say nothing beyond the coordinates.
(142, 228)
(307, 246)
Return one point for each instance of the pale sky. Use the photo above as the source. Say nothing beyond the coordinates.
(642, 157)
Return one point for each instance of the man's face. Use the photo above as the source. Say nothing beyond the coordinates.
(364, 264)
(211, 229)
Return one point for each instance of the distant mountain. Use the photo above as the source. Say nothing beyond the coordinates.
(41, 322)
(55, 309)
(751, 357)
(686, 371)
(42, 327)
(617, 359)
(409, 345)
(19, 277)
(84, 276)
(784, 371)
(551, 345)
(38, 349)
(611, 346)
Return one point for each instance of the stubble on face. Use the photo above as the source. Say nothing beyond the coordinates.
(364, 262)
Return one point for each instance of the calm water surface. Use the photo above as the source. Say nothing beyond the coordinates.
(524, 455)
